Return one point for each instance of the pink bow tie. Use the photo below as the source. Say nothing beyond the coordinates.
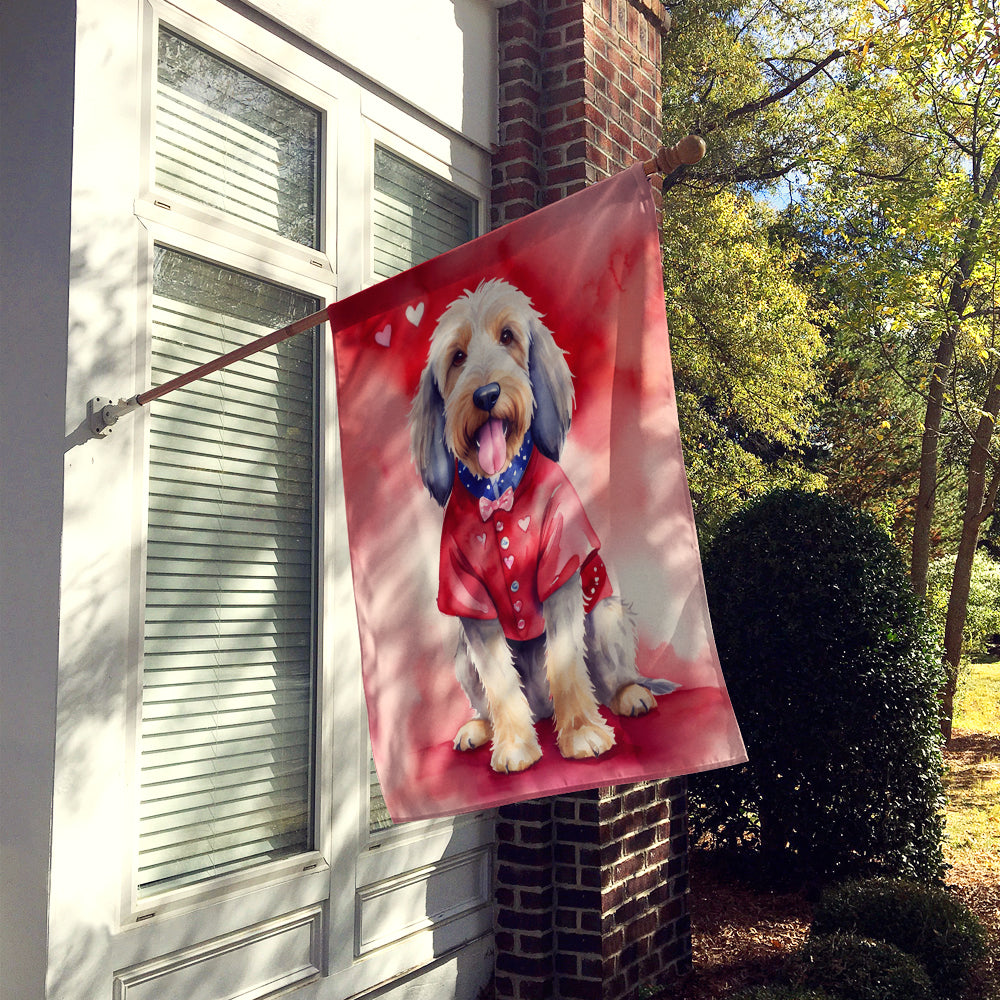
(487, 507)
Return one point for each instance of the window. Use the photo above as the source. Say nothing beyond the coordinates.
(416, 216)
(228, 689)
(229, 646)
(210, 826)
(227, 140)
(253, 805)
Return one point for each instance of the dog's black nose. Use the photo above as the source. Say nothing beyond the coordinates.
(486, 396)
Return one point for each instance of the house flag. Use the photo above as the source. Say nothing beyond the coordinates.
(527, 581)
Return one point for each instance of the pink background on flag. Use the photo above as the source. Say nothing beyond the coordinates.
(591, 265)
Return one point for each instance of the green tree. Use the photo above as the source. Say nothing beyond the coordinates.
(746, 76)
(746, 349)
(869, 421)
(880, 123)
(746, 354)
(910, 182)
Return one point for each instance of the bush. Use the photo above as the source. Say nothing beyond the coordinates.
(782, 993)
(856, 968)
(925, 922)
(833, 673)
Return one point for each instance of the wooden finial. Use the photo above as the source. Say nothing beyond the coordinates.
(668, 158)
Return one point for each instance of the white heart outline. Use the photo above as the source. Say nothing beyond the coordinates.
(415, 313)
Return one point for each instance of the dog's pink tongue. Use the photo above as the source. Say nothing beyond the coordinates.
(492, 447)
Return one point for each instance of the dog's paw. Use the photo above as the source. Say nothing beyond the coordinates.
(633, 699)
(510, 756)
(590, 739)
(473, 735)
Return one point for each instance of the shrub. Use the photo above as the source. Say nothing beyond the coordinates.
(925, 922)
(833, 674)
(856, 968)
(782, 993)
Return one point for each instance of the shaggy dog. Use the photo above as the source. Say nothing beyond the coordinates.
(542, 633)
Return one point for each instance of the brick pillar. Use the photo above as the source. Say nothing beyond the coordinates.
(621, 882)
(524, 899)
(591, 893)
(591, 888)
(579, 96)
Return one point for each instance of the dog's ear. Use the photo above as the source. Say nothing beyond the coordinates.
(430, 454)
(552, 387)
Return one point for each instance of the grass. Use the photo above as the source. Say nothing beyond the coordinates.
(973, 783)
(978, 697)
(972, 848)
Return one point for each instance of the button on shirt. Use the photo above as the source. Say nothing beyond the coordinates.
(506, 566)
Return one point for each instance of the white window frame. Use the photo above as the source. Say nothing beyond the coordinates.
(386, 859)
(180, 224)
(350, 871)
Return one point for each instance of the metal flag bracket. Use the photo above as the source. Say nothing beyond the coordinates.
(103, 413)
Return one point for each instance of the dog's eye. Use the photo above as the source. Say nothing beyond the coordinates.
(506, 335)
(458, 359)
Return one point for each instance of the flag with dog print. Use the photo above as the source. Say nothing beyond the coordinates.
(527, 582)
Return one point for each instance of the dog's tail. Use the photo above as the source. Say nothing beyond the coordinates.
(658, 685)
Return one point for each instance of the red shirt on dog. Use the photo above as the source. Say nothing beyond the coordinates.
(503, 558)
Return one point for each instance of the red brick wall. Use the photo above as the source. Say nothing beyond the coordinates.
(591, 888)
(579, 96)
(591, 893)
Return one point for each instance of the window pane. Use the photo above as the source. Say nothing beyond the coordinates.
(416, 216)
(228, 655)
(228, 140)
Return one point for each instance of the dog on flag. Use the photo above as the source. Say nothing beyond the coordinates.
(542, 632)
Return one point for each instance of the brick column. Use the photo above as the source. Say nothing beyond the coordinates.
(579, 96)
(621, 882)
(591, 888)
(524, 898)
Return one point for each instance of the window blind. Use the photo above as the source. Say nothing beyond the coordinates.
(415, 216)
(228, 140)
(228, 653)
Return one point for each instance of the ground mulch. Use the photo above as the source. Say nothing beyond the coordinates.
(742, 934)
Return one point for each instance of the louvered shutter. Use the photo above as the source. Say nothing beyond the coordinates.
(416, 216)
(228, 659)
(228, 674)
(232, 142)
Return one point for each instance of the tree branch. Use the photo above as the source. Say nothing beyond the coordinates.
(754, 106)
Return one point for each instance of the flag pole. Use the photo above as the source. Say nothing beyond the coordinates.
(103, 413)
(687, 152)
